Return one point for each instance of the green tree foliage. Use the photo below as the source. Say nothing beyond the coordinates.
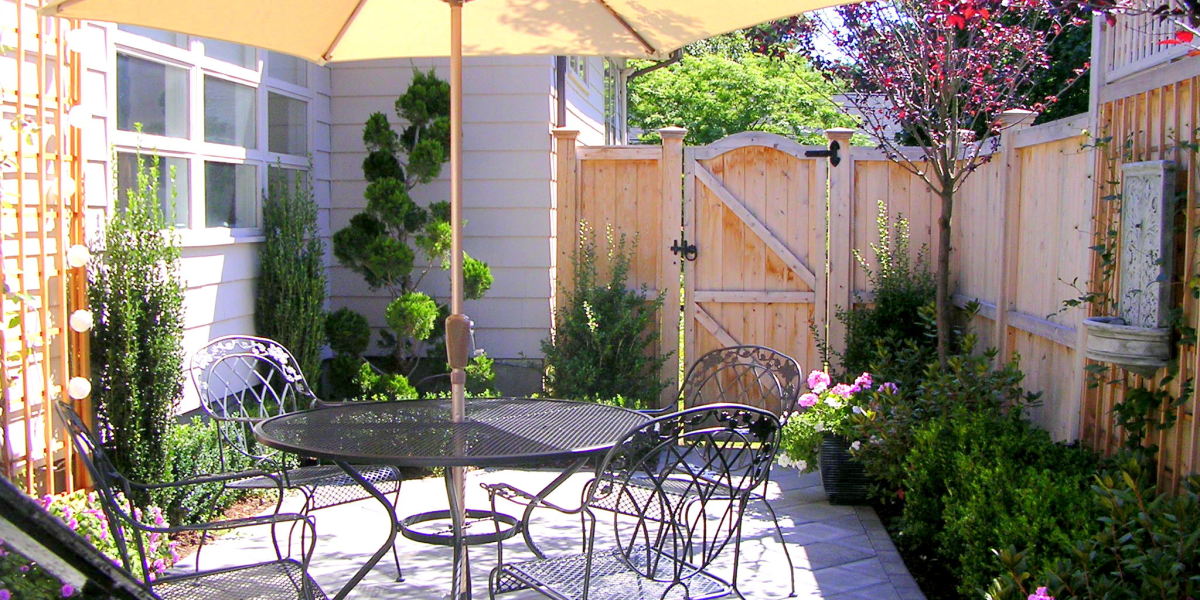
(137, 353)
(291, 283)
(725, 89)
(605, 333)
(395, 242)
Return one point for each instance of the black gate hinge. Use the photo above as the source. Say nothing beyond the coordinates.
(831, 153)
(688, 251)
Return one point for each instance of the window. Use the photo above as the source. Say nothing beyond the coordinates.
(173, 196)
(230, 195)
(578, 66)
(152, 94)
(285, 178)
(178, 40)
(287, 68)
(287, 124)
(228, 113)
(237, 54)
(228, 120)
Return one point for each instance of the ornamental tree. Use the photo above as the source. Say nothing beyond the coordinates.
(944, 70)
(395, 242)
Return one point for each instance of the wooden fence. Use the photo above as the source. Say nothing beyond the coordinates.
(42, 218)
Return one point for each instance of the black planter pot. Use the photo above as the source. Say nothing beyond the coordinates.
(844, 479)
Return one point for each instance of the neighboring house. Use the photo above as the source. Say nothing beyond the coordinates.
(224, 118)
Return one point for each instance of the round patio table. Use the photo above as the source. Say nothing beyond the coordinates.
(421, 433)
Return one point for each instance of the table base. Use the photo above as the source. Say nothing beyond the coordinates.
(511, 527)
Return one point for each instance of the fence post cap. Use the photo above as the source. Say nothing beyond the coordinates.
(672, 132)
(563, 132)
(1014, 117)
(839, 133)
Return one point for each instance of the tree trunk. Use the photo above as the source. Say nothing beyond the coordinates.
(944, 306)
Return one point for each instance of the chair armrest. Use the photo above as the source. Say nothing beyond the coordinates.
(519, 496)
(214, 478)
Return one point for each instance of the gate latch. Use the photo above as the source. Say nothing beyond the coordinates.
(683, 248)
(831, 153)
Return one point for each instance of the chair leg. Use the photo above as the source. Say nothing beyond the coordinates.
(783, 542)
(395, 553)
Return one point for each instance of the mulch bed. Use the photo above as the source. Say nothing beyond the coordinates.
(187, 542)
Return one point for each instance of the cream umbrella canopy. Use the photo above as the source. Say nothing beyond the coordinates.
(324, 31)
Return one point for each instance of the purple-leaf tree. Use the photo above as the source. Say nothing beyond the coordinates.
(944, 71)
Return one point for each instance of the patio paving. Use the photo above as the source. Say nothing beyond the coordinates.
(840, 552)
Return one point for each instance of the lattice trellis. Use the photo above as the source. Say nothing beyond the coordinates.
(42, 219)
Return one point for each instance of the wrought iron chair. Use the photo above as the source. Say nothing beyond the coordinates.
(243, 380)
(753, 375)
(682, 482)
(283, 577)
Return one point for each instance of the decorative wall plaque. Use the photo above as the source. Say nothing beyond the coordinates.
(1147, 211)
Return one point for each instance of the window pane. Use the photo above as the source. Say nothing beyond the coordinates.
(228, 113)
(178, 40)
(287, 124)
(242, 56)
(287, 68)
(285, 178)
(152, 94)
(230, 195)
(177, 206)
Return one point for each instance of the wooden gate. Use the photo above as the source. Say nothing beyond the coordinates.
(755, 208)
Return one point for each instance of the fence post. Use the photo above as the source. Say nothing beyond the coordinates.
(1011, 122)
(837, 280)
(564, 231)
(671, 168)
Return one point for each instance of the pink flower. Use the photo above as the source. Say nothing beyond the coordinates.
(808, 400)
(68, 590)
(889, 387)
(818, 381)
(842, 390)
(864, 381)
(1041, 594)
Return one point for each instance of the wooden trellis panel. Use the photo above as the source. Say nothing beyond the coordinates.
(42, 218)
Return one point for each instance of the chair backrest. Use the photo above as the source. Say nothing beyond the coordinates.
(751, 375)
(243, 379)
(682, 482)
(36, 534)
(113, 489)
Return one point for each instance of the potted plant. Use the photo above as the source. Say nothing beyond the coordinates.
(819, 435)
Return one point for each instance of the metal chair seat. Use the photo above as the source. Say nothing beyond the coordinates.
(613, 577)
(277, 579)
(329, 485)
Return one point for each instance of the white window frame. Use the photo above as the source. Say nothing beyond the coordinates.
(194, 148)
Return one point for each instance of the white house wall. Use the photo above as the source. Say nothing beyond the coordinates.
(506, 188)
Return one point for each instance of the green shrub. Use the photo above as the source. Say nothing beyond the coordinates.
(901, 287)
(982, 478)
(606, 335)
(136, 348)
(1144, 545)
(289, 305)
(195, 450)
(412, 315)
(374, 385)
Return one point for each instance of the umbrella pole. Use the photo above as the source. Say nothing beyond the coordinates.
(458, 327)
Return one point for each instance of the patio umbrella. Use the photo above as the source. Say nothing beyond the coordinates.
(341, 30)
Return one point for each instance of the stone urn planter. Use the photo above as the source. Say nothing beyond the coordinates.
(844, 479)
(1141, 350)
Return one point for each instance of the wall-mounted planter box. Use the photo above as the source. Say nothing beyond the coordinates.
(1138, 339)
(1142, 350)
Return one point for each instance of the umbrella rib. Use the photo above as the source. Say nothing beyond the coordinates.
(650, 49)
(328, 55)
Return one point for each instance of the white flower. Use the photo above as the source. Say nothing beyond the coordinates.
(82, 321)
(79, 388)
(78, 255)
(833, 402)
(856, 445)
(857, 410)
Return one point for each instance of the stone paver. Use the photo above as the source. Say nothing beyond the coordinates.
(839, 552)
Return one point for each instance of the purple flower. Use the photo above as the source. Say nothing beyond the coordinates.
(808, 400)
(842, 390)
(68, 590)
(889, 387)
(1041, 594)
(24, 568)
(864, 381)
(818, 381)
(5, 594)
(159, 566)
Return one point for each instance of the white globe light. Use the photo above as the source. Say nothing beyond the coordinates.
(82, 321)
(78, 255)
(79, 388)
(79, 116)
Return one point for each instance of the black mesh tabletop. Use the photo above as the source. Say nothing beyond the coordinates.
(420, 433)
